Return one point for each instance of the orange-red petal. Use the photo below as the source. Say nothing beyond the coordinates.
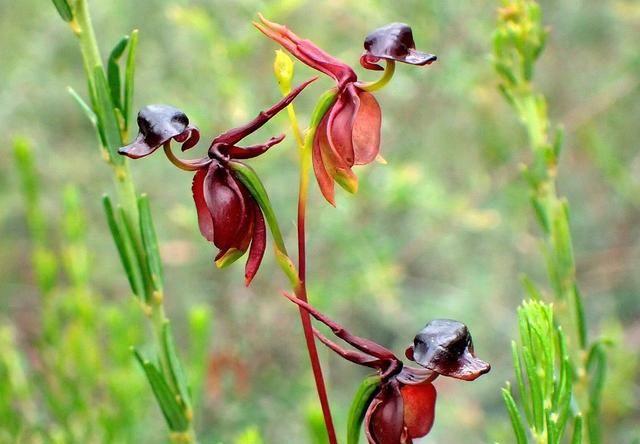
(419, 408)
(320, 143)
(366, 129)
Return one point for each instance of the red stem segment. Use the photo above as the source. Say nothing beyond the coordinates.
(301, 293)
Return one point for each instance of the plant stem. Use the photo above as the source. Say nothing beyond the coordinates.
(127, 198)
(82, 27)
(304, 145)
(301, 293)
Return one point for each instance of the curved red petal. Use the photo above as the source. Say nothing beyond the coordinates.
(369, 62)
(258, 246)
(340, 125)
(249, 152)
(386, 421)
(368, 426)
(419, 408)
(339, 158)
(320, 143)
(205, 222)
(226, 205)
(307, 52)
(366, 129)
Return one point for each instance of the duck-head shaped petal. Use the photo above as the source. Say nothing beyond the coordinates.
(157, 125)
(393, 42)
(446, 347)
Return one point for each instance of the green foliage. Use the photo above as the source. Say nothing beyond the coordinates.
(545, 377)
(53, 399)
(130, 221)
(518, 42)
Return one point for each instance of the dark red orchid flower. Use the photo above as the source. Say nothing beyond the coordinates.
(349, 133)
(228, 214)
(403, 408)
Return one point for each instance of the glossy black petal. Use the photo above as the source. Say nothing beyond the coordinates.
(157, 124)
(446, 347)
(393, 42)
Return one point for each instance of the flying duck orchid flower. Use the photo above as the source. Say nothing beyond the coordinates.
(403, 406)
(229, 215)
(349, 132)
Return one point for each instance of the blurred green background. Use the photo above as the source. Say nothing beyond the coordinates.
(443, 230)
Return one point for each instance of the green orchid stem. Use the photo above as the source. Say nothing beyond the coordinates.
(389, 70)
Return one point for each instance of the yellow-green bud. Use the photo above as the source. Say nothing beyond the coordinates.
(283, 70)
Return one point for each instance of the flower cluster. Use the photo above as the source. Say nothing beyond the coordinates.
(345, 134)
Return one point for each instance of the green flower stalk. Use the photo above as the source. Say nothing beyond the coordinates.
(517, 43)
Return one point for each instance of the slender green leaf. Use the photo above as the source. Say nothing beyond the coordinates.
(577, 430)
(106, 116)
(177, 375)
(63, 9)
(551, 427)
(516, 418)
(140, 257)
(541, 213)
(580, 317)
(129, 79)
(505, 72)
(597, 368)
(359, 405)
(113, 71)
(150, 242)
(125, 249)
(564, 400)
(524, 393)
(84, 106)
(173, 413)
